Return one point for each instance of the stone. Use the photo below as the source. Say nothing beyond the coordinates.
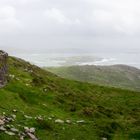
(10, 133)
(32, 136)
(28, 117)
(13, 116)
(21, 137)
(19, 125)
(3, 113)
(26, 128)
(59, 121)
(45, 90)
(30, 130)
(22, 134)
(2, 122)
(104, 138)
(8, 126)
(17, 79)
(8, 119)
(81, 121)
(12, 76)
(14, 110)
(14, 130)
(49, 118)
(2, 128)
(27, 84)
(39, 118)
(3, 68)
(68, 121)
(44, 105)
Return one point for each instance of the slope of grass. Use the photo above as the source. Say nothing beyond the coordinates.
(121, 76)
(107, 112)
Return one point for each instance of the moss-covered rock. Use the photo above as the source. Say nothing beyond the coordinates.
(3, 68)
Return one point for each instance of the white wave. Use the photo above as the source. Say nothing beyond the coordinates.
(104, 61)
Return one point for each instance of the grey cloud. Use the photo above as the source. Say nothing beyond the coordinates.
(80, 24)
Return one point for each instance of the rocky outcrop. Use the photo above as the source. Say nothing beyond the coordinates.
(3, 68)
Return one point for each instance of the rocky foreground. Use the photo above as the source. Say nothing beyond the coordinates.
(22, 132)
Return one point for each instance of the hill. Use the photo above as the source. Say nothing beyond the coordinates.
(121, 76)
(38, 104)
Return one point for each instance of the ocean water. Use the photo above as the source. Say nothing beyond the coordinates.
(67, 59)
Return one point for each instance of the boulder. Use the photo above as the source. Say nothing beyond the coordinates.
(59, 121)
(10, 133)
(68, 121)
(3, 68)
(14, 130)
(2, 128)
(81, 121)
(29, 130)
(2, 122)
(32, 136)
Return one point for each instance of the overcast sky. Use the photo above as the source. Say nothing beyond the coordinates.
(70, 25)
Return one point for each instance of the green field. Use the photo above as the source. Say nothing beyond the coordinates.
(121, 76)
(103, 112)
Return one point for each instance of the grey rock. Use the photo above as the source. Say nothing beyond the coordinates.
(14, 130)
(8, 126)
(81, 121)
(39, 118)
(68, 121)
(13, 116)
(3, 68)
(29, 130)
(32, 130)
(32, 136)
(10, 133)
(49, 118)
(2, 122)
(14, 110)
(28, 117)
(8, 119)
(3, 113)
(21, 137)
(2, 128)
(104, 138)
(59, 121)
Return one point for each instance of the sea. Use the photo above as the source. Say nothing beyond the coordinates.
(68, 59)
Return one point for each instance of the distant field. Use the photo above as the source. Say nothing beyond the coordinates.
(121, 76)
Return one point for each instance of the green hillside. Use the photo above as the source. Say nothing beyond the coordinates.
(61, 109)
(121, 76)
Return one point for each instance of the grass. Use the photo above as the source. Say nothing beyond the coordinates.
(108, 112)
(120, 76)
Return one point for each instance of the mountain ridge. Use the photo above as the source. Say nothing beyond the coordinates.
(122, 76)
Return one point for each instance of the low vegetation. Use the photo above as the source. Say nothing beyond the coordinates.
(60, 109)
(121, 76)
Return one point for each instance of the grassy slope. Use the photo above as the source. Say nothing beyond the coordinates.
(118, 75)
(108, 112)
